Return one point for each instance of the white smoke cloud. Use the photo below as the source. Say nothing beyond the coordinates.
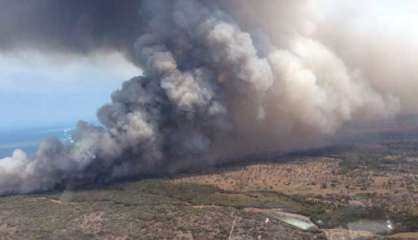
(220, 79)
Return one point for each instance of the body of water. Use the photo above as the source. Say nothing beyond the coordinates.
(29, 139)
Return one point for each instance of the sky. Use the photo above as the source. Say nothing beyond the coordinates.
(38, 90)
(377, 15)
(41, 88)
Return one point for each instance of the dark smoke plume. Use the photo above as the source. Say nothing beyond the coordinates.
(76, 26)
(221, 78)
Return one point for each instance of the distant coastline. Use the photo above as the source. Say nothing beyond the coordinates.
(28, 139)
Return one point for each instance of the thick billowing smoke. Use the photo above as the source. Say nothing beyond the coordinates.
(75, 26)
(221, 79)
